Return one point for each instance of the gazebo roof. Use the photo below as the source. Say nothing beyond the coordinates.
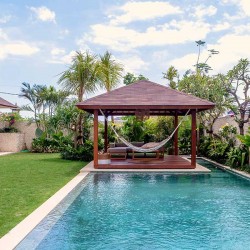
(145, 95)
(6, 104)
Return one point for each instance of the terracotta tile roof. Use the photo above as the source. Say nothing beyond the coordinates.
(144, 95)
(6, 104)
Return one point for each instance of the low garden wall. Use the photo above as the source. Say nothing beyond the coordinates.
(25, 128)
(11, 142)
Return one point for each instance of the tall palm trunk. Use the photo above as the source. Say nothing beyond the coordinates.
(79, 129)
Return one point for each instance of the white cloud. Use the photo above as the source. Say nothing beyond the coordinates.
(160, 58)
(245, 6)
(62, 58)
(17, 48)
(202, 11)
(5, 19)
(82, 43)
(232, 47)
(3, 35)
(221, 26)
(44, 14)
(64, 32)
(137, 11)
(133, 64)
(57, 51)
(10, 47)
(242, 29)
(184, 63)
(124, 39)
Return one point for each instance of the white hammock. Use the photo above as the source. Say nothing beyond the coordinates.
(146, 150)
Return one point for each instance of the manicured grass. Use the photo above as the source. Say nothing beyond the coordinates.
(29, 179)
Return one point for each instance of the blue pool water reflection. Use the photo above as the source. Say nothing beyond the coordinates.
(150, 211)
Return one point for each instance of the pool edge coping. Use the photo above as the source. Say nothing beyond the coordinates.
(227, 168)
(10, 240)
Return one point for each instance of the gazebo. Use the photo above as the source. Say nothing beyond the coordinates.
(155, 100)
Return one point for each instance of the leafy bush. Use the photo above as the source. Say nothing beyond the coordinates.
(217, 150)
(53, 144)
(133, 128)
(9, 119)
(217, 147)
(237, 157)
(81, 153)
(111, 135)
(185, 138)
(205, 142)
(9, 130)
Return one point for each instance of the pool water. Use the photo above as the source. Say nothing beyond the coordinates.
(150, 211)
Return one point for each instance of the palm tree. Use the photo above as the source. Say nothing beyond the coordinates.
(33, 94)
(52, 98)
(80, 78)
(171, 73)
(110, 72)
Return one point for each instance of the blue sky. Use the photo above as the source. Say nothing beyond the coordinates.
(38, 38)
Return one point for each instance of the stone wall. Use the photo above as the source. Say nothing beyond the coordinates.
(28, 131)
(220, 122)
(11, 142)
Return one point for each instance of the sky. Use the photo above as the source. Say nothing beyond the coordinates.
(39, 38)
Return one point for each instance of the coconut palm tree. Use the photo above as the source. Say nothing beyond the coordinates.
(80, 78)
(110, 72)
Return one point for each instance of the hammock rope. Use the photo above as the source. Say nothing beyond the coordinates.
(146, 150)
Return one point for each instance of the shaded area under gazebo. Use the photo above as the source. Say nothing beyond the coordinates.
(154, 100)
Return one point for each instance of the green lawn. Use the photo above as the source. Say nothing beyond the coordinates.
(29, 179)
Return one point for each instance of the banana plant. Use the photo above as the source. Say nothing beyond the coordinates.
(245, 139)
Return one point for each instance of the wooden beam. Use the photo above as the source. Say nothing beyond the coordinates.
(193, 138)
(105, 135)
(96, 138)
(176, 150)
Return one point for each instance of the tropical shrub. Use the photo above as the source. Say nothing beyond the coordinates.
(150, 128)
(237, 157)
(9, 119)
(217, 146)
(184, 137)
(133, 128)
(185, 141)
(217, 150)
(111, 135)
(228, 134)
(245, 139)
(52, 144)
(8, 130)
(81, 153)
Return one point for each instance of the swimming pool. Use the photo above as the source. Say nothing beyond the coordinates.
(149, 211)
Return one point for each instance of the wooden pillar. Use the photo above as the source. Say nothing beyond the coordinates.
(193, 138)
(96, 138)
(176, 150)
(105, 135)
